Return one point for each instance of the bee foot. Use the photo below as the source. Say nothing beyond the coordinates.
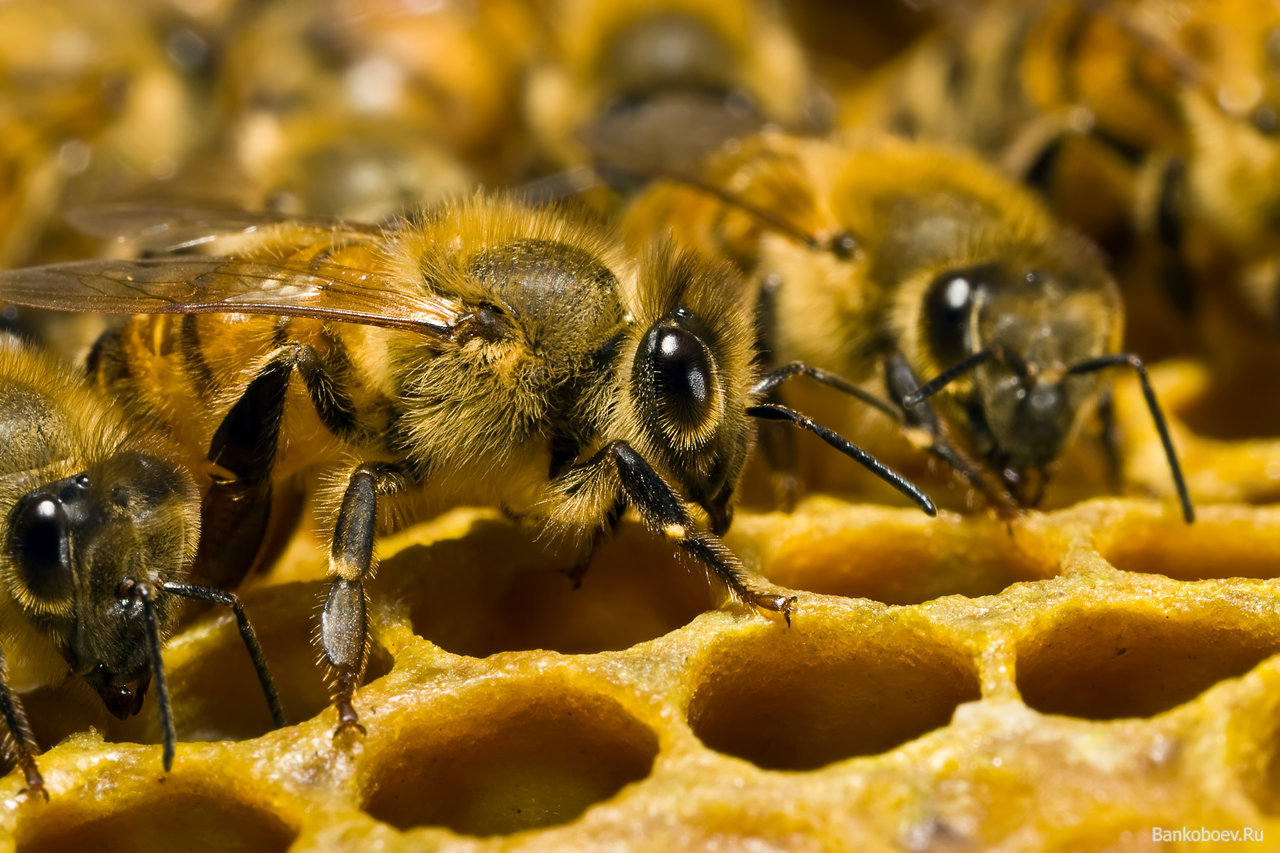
(348, 720)
(782, 604)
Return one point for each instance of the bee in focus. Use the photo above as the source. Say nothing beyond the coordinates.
(964, 311)
(670, 80)
(1150, 125)
(100, 527)
(483, 353)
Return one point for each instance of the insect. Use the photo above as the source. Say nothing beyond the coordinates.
(481, 353)
(1151, 126)
(100, 527)
(926, 277)
(671, 79)
(445, 73)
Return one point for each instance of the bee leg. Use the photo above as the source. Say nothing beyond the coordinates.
(663, 513)
(24, 741)
(344, 626)
(236, 509)
(901, 382)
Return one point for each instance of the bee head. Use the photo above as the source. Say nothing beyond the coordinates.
(1024, 328)
(688, 378)
(78, 546)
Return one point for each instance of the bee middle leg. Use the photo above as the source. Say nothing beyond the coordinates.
(344, 626)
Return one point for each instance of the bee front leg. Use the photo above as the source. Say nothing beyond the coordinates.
(344, 627)
(24, 741)
(663, 513)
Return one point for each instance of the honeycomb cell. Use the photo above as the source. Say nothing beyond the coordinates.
(1115, 662)
(509, 757)
(158, 821)
(820, 692)
(1223, 543)
(499, 591)
(901, 560)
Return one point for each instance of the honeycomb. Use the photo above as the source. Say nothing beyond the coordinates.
(1067, 680)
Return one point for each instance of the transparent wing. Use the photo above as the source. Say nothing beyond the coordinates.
(194, 284)
(158, 228)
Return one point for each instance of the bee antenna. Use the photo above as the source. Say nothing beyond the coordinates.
(946, 377)
(776, 412)
(832, 380)
(1153, 405)
(146, 594)
(247, 635)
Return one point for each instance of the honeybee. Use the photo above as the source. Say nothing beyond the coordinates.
(480, 353)
(1149, 124)
(671, 79)
(948, 292)
(344, 167)
(100, 528)
(444, 73)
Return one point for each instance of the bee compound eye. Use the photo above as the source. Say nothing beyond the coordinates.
(40, 542)
(680, 365)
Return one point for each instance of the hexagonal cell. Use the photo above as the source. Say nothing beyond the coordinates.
(819, 692)
(213, 686)
(192, 820)
(507, 757)
(901, 561)
(1113, 662)
(498, 590)
(1223, 543)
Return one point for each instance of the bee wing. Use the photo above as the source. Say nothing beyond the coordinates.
(196, 285)
(156, 228)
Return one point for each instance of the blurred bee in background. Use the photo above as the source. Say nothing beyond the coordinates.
(670, 80)
(442, 76)
(93, 108)
(1151, 125)
(100, 528)
(926, 277)
(483, 353)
